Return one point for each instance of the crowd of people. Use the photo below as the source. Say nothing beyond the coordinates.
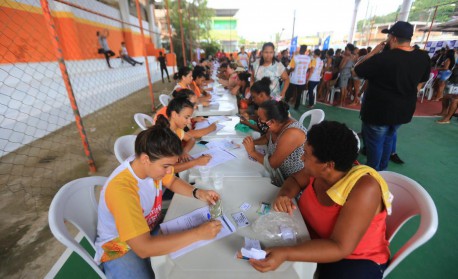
(345, 205)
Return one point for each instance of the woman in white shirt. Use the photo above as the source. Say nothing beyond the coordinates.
(268, 66)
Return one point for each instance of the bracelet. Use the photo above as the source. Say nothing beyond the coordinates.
(194, 192)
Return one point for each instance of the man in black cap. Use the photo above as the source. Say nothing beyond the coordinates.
(394, 77)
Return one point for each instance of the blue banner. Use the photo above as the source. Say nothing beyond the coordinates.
(293, 47)
(326, 43)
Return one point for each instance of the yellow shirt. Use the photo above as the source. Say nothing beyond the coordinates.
(126, 202)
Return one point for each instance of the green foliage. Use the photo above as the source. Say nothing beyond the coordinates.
(210, 47)
(422, 10)
(196, 20)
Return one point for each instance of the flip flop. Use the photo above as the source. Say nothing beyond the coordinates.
(443, 122)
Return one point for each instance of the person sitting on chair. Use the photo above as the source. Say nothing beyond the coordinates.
(130, 208)
(344, 206)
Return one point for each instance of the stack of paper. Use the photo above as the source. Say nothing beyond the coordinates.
(192, 220)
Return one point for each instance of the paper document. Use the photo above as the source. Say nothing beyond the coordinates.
(192, 220)
(219, 156)
(204, 124)
(212, 119)
(223, 144)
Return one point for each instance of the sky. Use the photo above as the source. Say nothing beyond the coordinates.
(260, 20)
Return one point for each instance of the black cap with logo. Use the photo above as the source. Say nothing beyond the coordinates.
(400, 29)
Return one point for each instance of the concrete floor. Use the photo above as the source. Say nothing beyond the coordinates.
(33, 174)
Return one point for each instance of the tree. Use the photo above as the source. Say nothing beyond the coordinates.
(196, 18)
(421, 11)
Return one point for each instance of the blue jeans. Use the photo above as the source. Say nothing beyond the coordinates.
(395, 140)
(379, 142)
(129, 266)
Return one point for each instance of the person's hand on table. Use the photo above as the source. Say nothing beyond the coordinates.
(208, 196)
(199, 118)
(203, 160)
(284, 204)
(248, 142)
(185, 157)
(208, 230)
(213, 126)
(205, 103)
(274, 258)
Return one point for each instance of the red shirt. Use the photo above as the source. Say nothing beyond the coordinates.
(321, 219)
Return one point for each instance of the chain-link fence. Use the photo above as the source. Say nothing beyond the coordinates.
(70, 82)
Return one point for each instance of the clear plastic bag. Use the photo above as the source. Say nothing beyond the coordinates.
(277, 228)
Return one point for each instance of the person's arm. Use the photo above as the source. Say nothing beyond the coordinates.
(202, 132)
(375, 51)
(249, 145)
(285, 78)
(190, 142)
(290, 140)
(355, 217)
(343, 62)
(289, 190)
(186, 165)
(179, 186)
(262, 140)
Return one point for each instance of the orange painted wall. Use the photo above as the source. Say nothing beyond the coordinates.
(30, 41)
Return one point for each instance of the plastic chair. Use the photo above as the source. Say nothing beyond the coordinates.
(428, 88)
(143, 120)
(164, 99)
(410, 199)
(76, 202)
(124, 147)
(304, 95)
(317, 115)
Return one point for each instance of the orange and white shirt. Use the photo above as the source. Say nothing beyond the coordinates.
(300, 63)
(128, 207)
(317, 65)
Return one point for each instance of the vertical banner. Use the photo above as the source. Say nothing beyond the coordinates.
(293, 47)
(326, 43)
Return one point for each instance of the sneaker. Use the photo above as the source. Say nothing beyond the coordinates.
(395, 159)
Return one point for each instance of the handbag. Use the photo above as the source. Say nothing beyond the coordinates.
(276, 178)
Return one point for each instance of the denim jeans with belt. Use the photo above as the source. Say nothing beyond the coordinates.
(378, 140)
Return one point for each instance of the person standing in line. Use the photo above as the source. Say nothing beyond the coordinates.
(104, 48)
(316, 67)
(394, 78)
(268, 66)
(163, 64)
(298, 68)
(125, 55)
(345, 67)
(242, 58)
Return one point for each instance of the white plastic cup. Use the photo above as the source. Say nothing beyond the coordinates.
(218, 180)
(200, 107)
(204, 173)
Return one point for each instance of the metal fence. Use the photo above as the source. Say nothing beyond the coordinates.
(59, 94)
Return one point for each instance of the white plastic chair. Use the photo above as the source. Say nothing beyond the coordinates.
(304, 95)
(124, 147)
(143, 120)
(164, 99)
(317, 115)
(428, 88)
(410, 199)
(76, 202)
